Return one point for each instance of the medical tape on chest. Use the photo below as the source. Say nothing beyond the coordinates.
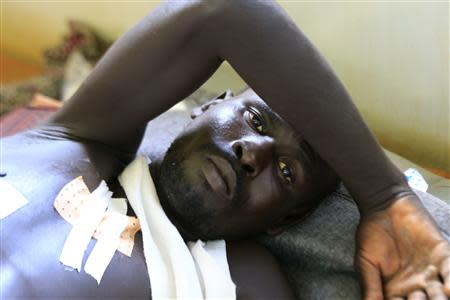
(11, 200)
(105, 247)
(91, 214)
(71, 198)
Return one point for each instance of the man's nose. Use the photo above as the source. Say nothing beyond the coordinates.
(253, 154)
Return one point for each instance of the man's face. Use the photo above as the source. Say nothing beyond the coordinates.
(234, 171)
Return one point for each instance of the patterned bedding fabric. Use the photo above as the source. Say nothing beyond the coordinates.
(21, 119)
(80, 38)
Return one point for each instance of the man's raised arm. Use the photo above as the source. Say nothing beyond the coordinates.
(174, 49)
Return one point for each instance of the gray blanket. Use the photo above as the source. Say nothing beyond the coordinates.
(318, 254)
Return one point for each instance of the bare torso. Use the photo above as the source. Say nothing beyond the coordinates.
(33, 237)
(39, 163)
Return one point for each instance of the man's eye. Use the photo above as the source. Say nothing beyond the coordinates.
(285, 171)
(256, 122)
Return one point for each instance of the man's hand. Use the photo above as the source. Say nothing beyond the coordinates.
(401, 254)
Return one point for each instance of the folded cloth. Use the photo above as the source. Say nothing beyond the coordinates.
(174, 272)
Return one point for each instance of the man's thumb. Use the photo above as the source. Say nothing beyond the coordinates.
(370, 279)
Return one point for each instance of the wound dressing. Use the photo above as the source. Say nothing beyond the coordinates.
(73, 195)
(106, 246)
(91, 214)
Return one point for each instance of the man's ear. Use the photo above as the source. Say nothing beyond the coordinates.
(198, 111)
(293, 218)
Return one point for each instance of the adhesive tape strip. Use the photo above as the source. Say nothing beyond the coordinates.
(118, 205)
(127, 236)
(91, 214)
(106, 246)
(12, 199)
(126, 243)
(71, 198)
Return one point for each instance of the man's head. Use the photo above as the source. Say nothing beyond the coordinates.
(238, 169)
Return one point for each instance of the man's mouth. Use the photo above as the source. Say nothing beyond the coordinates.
(220, 175)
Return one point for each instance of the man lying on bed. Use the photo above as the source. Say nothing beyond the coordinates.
(265, 158)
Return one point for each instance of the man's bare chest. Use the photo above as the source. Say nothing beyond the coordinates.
(34, 235)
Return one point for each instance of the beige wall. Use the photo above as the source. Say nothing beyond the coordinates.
(392, 56)
(30, 27)
(394, 60)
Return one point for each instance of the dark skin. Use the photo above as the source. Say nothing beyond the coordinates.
(177, 47)
(30, 260)
(237, 167)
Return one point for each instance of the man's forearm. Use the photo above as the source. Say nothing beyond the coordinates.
(285, 69)
(170, 53)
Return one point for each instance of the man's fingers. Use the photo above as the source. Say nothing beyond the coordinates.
(445, 273)
(371, 280)
(417, 295)
(435, 290)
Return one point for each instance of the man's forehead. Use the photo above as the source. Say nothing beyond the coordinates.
(284, 133)
(252, 98)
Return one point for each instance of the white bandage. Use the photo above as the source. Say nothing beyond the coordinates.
(71, 198)
(105, 247)
(90, 216)
(11, 200)
(118, 205)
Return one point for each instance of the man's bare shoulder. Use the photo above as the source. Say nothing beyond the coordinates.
(52, 150)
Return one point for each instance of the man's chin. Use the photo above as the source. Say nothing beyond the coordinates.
(203, 226)
(186, 197)
(184, 210)
(192, 227)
